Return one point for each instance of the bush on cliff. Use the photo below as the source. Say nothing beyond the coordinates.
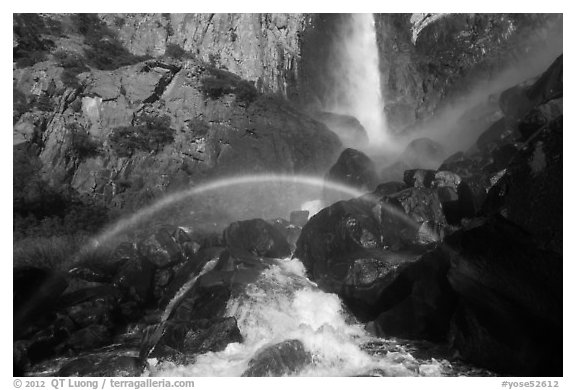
(150, 136)
(221, 82)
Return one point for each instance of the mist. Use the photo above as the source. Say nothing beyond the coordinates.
(461, 119)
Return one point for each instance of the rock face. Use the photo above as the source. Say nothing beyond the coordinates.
(262, 48)
(191, 127)
(428, 60)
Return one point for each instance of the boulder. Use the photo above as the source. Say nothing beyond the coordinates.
(35, 296)
(161, 249)
(510, 312)
(389, 188)
(256, 237)
(355, 248)
(282, 359)
(89, 338)
(135, 278)
(355, 169)
(419, 178)
(530, 191)
(418, 303)
(103, 366)
(204, 336)
(539, 116)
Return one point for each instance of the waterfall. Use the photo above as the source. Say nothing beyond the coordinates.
(357, 76)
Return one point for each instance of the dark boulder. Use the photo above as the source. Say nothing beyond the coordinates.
(355, 169)
(101, 310)
(162, 248)
(35, 296)
(457, 198)
(418, 303)
(354, 248)
(135, 278)
(88, 338)
(530, 191)
(204, 335)
(539, 117)
(389, 188)
(286, 358)
(509, 317)
(517, 101)
(255, 237)
(103, 366)
(419, 178)
(422, 206)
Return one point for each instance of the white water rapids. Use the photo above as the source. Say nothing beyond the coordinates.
(283, 305)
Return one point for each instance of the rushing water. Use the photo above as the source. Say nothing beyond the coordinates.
(284, 305)
(358, 91)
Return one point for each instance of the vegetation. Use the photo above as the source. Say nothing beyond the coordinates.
(73, 65)
(198, 127)
(177, 52)
(221, 82)
(59, 252)
(82, 145)
(104, 52)
(32, 47)
(151, 135)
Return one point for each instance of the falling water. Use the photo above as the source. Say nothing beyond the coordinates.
(358, 77)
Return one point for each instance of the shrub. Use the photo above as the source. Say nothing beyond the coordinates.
(105, 51)
(82, 145)
(176, 52)
(221, 82)
(43, 103)
(28, 29)
(198, 127)
(151, 135)
(59, 252)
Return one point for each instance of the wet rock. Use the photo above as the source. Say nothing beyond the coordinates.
(91, 337)
(418, 303)
(530, 192)
(135, 277)
(161, 249)
(419, 178)
(538, 117)
(255, 237)
(354, 169)
(168, 339)
(204, 336)
(101, 310)
(389, 188)
(36, 293)
(103, 366)
(510, 314)
(285, 358)
(354, 248)
(20, 358)
(421, 205)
